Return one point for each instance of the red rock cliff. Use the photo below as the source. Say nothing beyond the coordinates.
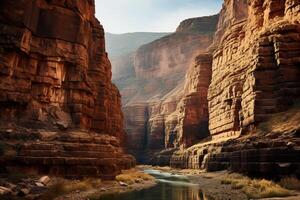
(254, 64)
(254, 126)
(55, 75)
(152, 119)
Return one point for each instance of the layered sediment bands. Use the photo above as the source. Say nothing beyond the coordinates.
(255, 67)
(159, 83)
(73, 154)
(54, 70)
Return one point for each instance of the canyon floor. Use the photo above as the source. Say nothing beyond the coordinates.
(222, 185)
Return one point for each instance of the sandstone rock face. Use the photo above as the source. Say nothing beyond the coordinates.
(254, 64)
(54, 69)
(159, 86)
(255, 69)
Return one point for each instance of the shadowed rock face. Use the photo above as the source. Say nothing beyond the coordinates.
(55, 75)
(153, 118)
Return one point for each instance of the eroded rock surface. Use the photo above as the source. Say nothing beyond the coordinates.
(150, 99)
(255, 69)
(55, 75)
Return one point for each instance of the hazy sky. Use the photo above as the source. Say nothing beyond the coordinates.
(121, 16)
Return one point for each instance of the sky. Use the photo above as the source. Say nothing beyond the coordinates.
(123, 16)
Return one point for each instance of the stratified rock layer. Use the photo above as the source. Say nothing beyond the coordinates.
(255, 78)
(255, 64)
(153, 118)
(55, 73)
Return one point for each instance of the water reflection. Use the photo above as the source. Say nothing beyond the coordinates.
(169, 187)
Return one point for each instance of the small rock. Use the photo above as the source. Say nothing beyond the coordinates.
(9, 131)
(102, 189)
(4, 190)
(39, 184)
(123, 184)
(10, 186)
(62, 125)
(44, 180)
(290, 144)
(23, 192)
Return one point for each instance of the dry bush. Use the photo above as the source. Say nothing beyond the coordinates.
(255, 188)
(133, 176)
(61, 187)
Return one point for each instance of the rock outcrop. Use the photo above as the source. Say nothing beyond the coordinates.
(255, 69)
(150, 99)
(55, 75)
(255, 64)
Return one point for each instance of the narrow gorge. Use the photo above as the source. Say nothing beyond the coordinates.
(86, 113)
(211, 94)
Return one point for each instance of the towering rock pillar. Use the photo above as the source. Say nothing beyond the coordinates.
(55, 76)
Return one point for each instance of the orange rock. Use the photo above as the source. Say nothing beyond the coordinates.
(55, 73)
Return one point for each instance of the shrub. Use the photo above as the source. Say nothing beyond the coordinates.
(62, 187)
(132, 176)
(256, 188)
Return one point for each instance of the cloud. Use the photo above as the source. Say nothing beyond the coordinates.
(119, 16)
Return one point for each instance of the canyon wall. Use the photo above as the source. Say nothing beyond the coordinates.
(254, 64)
(150, 99)
(254, 127)
(56, 77)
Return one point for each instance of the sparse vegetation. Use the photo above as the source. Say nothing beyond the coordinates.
(61, 187)
(255, 188)
(133, 176)
(284, 122)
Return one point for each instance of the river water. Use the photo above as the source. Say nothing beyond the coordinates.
(169, 187)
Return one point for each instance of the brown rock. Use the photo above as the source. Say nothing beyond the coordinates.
(44, 180)
(55, 75)
(151, 104)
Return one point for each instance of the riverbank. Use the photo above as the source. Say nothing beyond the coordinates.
(23, 187)
(224, 185)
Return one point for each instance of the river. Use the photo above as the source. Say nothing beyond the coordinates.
(169, 187)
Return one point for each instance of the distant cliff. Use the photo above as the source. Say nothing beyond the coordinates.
(121, 49)
(152, 94)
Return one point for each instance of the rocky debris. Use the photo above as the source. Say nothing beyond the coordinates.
(44, 180)
(21, 188)
(123, 184)
(23, 192)
(56, 79)
(4, 190)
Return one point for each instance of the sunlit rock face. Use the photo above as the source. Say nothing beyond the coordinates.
(153, 117)
(55, 75)
(255, 64)
(255, 79)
